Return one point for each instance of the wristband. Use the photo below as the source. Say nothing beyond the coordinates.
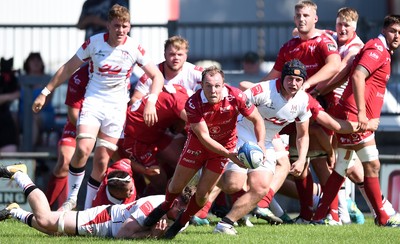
(45, 91)
(152, 98)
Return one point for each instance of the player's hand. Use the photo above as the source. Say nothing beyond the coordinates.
(233, 156)
(150, 113)
(158, 229)
(373, 124)
(152, 170)
(297, 168)
(38, 103)
(362, 121)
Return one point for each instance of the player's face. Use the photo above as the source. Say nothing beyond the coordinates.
(345, 30)
(212, 87)
(124, 192)
(292, 85)
(175, 58)
(118, 30)
(392, 35)
(305, 19)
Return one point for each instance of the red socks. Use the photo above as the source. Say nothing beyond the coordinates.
(56, 189)
(373, 190)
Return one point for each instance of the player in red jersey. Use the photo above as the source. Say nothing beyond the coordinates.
(56, 189)
(143, 143)
(362, 100)
(118, 186)
(212, 114)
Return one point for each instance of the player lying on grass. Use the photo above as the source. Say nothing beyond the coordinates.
(117, 221)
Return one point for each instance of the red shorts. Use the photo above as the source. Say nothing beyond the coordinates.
(352, 138)
(194, 155)
(68, 135)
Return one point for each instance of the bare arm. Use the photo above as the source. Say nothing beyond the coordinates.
(202, 133)
(331, 67)
(132, 230)
(343, 126)
(137, 95)
(62, 74)
(259, 128)
(359, 76)
(343, 74)
(150, 114)
(302, 143)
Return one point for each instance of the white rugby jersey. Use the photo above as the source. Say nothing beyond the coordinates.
(276, 111)
(107, 220)
(189, 77)
(111, 67)
(354, 43)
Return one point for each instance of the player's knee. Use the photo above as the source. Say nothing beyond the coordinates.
(103, 143)
(368, 154)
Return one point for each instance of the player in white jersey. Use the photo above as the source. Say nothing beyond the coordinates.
(116, 221)
(280, 102)
(111, 58)
(175, 69)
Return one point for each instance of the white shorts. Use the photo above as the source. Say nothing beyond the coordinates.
(95, 221)
(110, 118)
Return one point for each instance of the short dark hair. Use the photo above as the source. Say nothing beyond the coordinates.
(390, 20)
(117, 179)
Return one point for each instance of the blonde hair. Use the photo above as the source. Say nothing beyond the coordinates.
(119, 12)
(177, 42)
(306, 3)
(348, 14)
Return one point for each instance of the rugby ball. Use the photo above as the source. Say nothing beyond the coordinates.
(251, 155)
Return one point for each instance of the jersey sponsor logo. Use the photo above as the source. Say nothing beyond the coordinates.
(85, 44)
(331, 47)
(225, 109)
(215, 130)
(312, 48)
(146, 208)
(141, 50)
(190, 161)
(110, 70)
(190, 104)
(257, 89)
(293, 110)
(100, 53)
(373, 55)
(381, 95)
(379, 47)
(193, 152)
